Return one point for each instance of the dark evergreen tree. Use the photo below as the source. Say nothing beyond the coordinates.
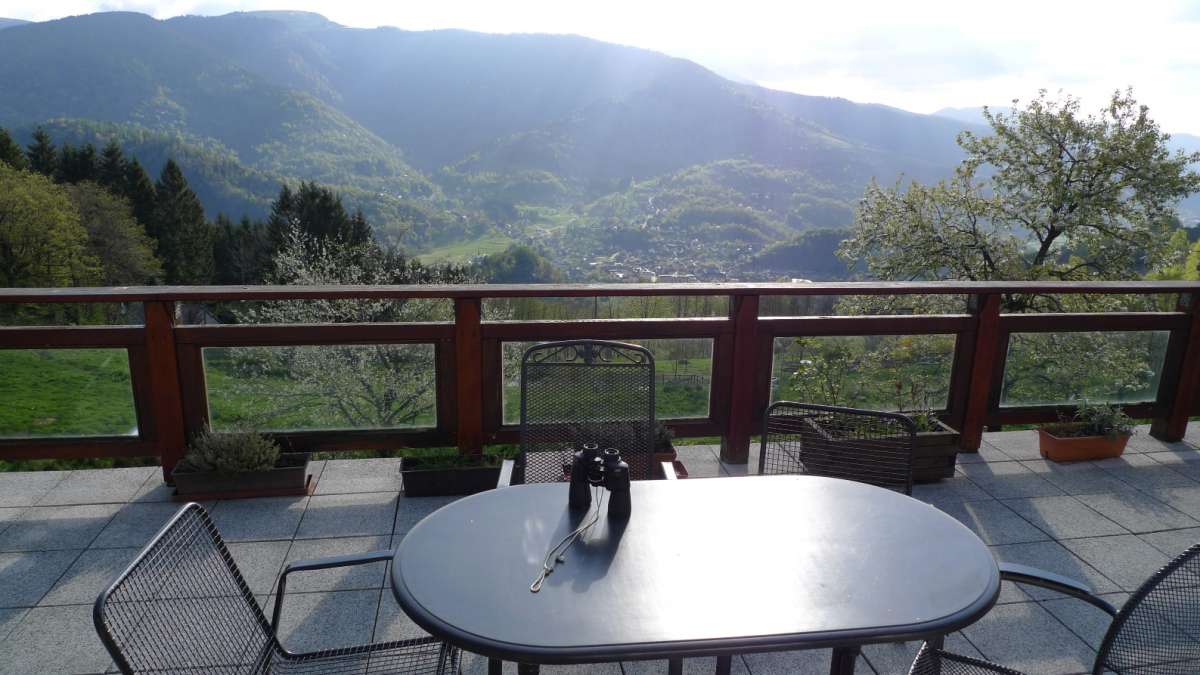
(243, 251)
(41, 153)
(76, 165)
(317, 212)
(111, 170)
(139, 190)
(11, 153)
(185, 237)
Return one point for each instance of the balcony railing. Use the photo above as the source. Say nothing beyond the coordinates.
(170, 394)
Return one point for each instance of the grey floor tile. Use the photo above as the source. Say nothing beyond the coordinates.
(339, 578)
(260, 562)
(1052, 557)
(154, 490)
(98, 486)
(54, 640)
(1076, 478)
(392, 623)
(1172, 542)
(349, 515)
(1088, 622)
(259, 519)
(43, 528)
(897, 657)
(135, 524)
(91, 573)
(1009, 480)
(313, 621)
(1015, 444)
(993, 522)
(411, 510)
(1063, 517)
(1125, 559)
(1137, 511)
(9, 618)
(1028, 638)
(778, 663)
(956, 489)
(24, 488)
(344, 476)
(985, 453)
(25, 577)
(474, 664)
(1149, 475)
(696, 666)
(7, 515)
(1185, 499)
(699, 461)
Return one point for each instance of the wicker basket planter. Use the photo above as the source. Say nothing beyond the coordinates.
(445, 481)
(1078, 448)
(934, 454)
(288, 477)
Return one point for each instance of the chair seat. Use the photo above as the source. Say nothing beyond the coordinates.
(421, 655)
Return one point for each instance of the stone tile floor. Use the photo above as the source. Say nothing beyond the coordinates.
(64, 535)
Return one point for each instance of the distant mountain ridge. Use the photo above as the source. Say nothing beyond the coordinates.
(8, 23)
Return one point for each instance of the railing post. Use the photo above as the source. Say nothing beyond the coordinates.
(735, 444)
(166, 400)
(982, 367)
(468, 375)
(1180, 376)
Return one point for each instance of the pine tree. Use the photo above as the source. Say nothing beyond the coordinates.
(318, 213)
(76, 166)
(42, 156)
(243, 251)
(111, 170)
(139, 190)
(185, 238)
(10, 152)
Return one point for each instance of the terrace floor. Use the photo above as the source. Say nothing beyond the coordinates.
(64, 535)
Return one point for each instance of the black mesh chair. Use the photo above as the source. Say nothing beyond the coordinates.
(860, 445)
(182, 606)
(584, 391)
(1156, 632)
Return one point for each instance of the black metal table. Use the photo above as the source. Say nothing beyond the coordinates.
(702, 568)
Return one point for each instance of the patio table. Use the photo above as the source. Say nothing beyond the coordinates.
(712, 567)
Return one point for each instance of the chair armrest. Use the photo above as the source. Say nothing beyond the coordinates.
(1032, 576)
(668, 469)
(320, 564)
(506, 473)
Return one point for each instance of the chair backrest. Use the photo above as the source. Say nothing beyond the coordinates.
(867, 446)
(586, 391)
(1158, 628)
(183, 606)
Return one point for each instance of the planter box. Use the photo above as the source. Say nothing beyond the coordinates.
(1079, 448)
(289, 477)
(450, 481)
(669, 456)
(934, 454)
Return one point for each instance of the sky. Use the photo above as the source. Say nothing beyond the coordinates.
(921, 55)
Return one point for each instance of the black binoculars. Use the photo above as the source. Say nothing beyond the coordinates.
(594, 468)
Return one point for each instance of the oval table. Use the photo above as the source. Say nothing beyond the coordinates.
(701, 568)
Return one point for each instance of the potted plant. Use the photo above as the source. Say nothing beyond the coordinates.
(1095, 431)
(664, 450)
(444, 471)
(237, 464)
(936, 451)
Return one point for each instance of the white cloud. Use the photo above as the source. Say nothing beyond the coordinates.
(920, 56)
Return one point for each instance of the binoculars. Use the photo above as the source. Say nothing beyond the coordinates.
(594, 468)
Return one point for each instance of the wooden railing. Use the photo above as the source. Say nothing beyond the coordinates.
(171, 397)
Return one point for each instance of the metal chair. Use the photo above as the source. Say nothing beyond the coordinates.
(860, 445)
(182, 606)
(1156, 632)
(584, 391)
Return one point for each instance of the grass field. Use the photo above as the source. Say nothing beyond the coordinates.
(65, 392)
(464, 251)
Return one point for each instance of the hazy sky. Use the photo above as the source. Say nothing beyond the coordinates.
(921, 55)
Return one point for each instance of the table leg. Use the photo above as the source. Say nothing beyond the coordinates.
(495, 667)
(843, 661)
(674, 666)
(528, 669)
(724, 663)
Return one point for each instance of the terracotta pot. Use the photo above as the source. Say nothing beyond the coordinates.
(1079, 448)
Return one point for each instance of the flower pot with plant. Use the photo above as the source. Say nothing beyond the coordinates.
(936, 450)
(441, 472)
(236, 464)
(1095, 431)
(664, 450)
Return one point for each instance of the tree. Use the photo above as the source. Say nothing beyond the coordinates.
(138, 189)
(317, 212)
(75, 166)
(10, 152)
(1089, 191)
(111, 171)
(361, 386)
(115, 239)
(185, 238)
(243, 251)
(517, 264)
(41, 240)
(41, 153)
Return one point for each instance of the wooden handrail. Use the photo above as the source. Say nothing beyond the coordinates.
(170, 393)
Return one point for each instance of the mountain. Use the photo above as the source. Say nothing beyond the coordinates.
(9, 23)
(972, 115)
(445, 134)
